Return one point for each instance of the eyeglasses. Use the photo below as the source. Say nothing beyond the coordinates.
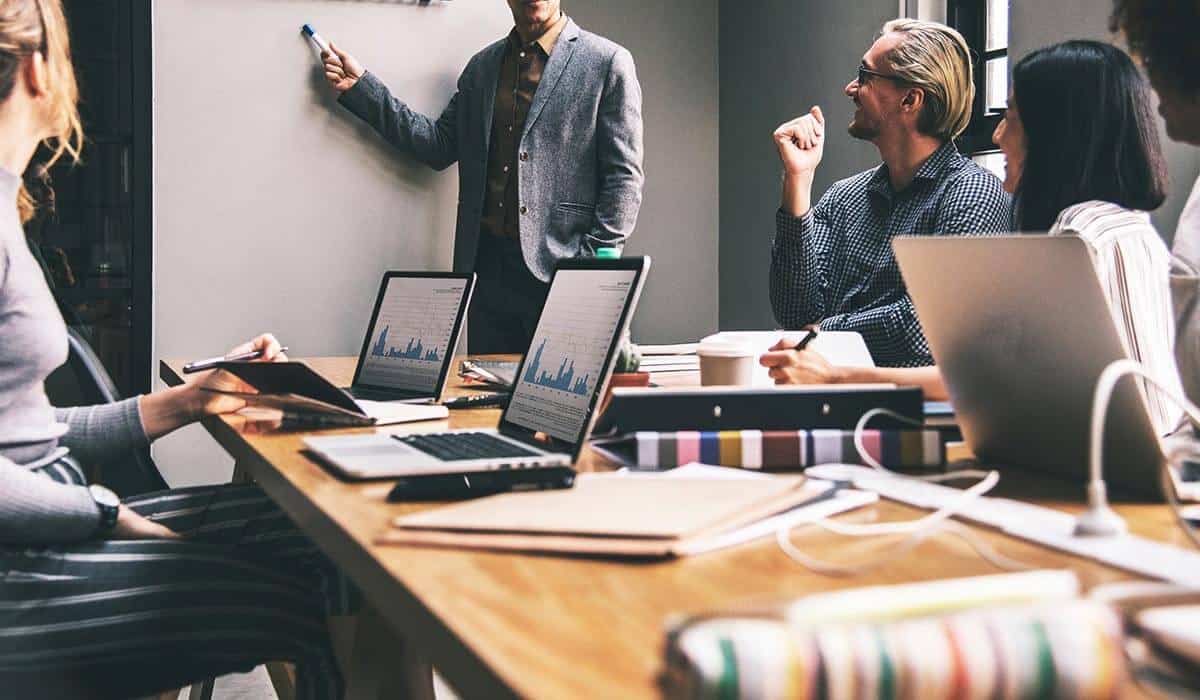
(865, 74)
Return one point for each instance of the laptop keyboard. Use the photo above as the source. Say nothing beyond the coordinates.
(451, 447)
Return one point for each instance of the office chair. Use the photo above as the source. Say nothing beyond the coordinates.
(83, 381)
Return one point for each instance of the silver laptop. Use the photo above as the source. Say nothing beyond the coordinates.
(553, 407)
(1021, 330)
(410, 341)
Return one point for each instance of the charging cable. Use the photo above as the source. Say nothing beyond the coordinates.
(914, 532)
(1100, 519)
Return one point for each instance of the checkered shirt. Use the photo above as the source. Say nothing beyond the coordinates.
(834, 265)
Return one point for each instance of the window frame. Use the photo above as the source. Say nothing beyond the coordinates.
(969, 17)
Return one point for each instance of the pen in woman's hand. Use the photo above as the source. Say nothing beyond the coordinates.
(201, 365)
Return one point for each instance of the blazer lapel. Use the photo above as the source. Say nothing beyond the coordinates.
(490, 77)
(563, 52)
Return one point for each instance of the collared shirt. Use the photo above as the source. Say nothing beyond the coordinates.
(520, 74)
(834, 265)
(1133, 266)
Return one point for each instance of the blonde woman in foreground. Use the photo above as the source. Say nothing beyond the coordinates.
(105, 598)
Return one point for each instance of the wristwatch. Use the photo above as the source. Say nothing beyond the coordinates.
(109, 504)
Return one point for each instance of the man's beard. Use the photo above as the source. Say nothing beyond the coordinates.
(862, 131)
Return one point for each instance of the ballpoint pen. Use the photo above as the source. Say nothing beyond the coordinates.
(808, 338)
(201, 365)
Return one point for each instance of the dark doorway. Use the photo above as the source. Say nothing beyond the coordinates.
(96, 241)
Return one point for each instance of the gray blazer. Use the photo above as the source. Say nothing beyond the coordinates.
(580, 164)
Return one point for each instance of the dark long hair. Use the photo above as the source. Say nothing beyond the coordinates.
(1089, 132)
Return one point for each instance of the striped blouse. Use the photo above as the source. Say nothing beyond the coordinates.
(1133, 265)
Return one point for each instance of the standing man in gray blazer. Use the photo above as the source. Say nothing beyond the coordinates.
(546, 128)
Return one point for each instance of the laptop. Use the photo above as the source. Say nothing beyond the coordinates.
(410, 341)
(1021, 330)
(560, 381)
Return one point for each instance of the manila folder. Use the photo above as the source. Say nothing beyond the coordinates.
(607, 515)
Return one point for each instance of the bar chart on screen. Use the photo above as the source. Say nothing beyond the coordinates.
(412, 332)
(566, 359)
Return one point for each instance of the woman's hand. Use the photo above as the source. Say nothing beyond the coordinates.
(203, 397)
(788, 366)
(164, 411)
(132, 526)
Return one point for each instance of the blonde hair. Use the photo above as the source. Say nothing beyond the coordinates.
(28, 27)
(936, 58)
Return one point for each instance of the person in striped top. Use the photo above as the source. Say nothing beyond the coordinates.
(1082, 158)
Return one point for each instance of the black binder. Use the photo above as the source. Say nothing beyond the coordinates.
(766, 408)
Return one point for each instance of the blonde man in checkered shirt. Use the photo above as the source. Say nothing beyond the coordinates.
(832, 263)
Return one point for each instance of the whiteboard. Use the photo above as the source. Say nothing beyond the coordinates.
(274, 207)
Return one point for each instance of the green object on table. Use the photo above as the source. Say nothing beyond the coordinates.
(608, 253)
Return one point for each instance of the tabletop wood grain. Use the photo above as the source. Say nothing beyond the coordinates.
(502, 625)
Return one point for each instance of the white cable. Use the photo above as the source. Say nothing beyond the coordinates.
(917, 531)
(932, 519)
(870, 461)
(1105, 386)
(981, 547)
(914, 531)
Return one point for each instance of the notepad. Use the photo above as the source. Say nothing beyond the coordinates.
(310, 399)
(610, 514)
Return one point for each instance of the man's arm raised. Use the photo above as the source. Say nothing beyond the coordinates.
(433, 142)
(801, 144)
(799, 282)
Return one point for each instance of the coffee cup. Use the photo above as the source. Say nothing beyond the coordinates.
(726, 363)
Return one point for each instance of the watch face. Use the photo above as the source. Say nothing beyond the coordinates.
(104, 496)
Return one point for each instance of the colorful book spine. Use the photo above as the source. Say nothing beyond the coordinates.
(787, 449)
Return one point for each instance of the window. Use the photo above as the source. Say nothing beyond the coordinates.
(984, 24)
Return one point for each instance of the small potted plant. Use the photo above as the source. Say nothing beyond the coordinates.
(626, 373)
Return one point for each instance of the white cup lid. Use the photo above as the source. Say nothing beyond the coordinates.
(725, 348)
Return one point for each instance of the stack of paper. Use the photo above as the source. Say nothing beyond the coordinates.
(679, 357)
(628, 515)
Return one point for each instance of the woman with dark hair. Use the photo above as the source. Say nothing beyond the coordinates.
(103, 598)
(1082, 158)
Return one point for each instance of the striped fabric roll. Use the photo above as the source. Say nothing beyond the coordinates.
(1061, 650)
(787, 449)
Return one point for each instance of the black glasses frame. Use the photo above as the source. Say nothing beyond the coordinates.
(865, 74)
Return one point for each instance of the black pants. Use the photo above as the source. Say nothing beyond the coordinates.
(508, 299)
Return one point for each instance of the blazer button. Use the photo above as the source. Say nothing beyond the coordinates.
(524, 156)
(524, 210)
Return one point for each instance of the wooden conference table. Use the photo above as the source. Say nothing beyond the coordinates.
(504, 625)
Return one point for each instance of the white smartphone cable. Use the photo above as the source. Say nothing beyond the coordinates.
(1100, 519)
(912, 532)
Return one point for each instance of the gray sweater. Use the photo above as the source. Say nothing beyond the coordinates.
(33, 342)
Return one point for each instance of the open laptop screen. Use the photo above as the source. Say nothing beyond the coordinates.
(570, 352)
(412, 332)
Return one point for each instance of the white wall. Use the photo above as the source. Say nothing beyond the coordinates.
(275, 209)
(674, 43)
(778, 58)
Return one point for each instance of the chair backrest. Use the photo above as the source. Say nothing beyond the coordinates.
(83, 381)
(93, 377)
